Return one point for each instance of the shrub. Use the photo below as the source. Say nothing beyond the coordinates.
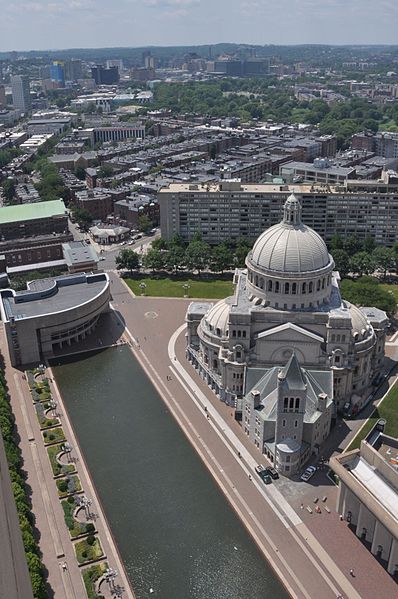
(90, 527)
(90, 540)
(84, 554)
(71, 499)
(62, 485)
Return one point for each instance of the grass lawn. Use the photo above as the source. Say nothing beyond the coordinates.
(392, 288)
(53, 435)
(90, 576)
(75, 528)
(86, 553)
(173, 287)
(388, 410)
(52, 451)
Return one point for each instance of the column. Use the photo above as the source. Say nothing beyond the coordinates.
(393, 559)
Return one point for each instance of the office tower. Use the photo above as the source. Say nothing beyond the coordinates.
(21, 92)
(73, 69)
(3, 101)
(104, 76)
(57, 72)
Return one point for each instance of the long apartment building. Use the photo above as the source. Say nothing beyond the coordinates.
(230, 210)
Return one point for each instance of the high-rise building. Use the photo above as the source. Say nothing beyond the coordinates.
(57, 72)
(3, 100)
(104, 76)
(73, 69)
(21, 92)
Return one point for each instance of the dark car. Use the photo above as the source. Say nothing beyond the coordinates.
(273, 473)
(263, 474)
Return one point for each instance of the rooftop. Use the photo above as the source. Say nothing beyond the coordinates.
(49, 296)
(78, 252)
(36, 211)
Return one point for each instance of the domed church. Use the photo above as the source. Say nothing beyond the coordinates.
(286, 350)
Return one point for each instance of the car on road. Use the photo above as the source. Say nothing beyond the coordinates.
(263, 474)
(272, 472)
(308, 472)
(102, 258)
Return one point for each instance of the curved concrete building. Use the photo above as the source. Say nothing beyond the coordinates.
(287, 302)
(51, 314)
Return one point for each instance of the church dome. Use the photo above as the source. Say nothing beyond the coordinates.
(216, 320)
(290, 246)
(359, 323)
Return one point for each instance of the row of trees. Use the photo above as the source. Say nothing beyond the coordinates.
(19, 488)
(51, 185)
(174, 256)
(367, 291)
(363, 258)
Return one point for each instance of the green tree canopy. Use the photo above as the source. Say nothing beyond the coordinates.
(368, 292)
(128, 260)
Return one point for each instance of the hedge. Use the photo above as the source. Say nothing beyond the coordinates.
(26, 519)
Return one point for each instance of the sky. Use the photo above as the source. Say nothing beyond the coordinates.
(56, 24)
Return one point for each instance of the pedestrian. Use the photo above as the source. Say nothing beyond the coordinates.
(352, 572)
(250, 476)
(64, 566)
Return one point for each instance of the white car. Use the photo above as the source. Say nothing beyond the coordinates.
(308, 472)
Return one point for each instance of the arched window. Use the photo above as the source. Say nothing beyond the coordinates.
(297, 404)
(270, 285)
(285, 403)
(323, 283)
(256, 281)
(318, 285)
(287, 288)
(294, 288)
(304, 288)
(276, 286)
(310, 287)
(261, 283)
(291, 403)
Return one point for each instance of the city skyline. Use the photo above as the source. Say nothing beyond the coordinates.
(44, 24)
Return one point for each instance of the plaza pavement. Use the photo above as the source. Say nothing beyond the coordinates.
(294, 541)
(55, 544)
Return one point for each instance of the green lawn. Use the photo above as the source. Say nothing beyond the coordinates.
(388, 410)
(392, 288)
(173, 287)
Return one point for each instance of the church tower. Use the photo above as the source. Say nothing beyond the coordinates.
(291, 403)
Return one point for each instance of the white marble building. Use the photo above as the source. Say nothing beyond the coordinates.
(287, 299)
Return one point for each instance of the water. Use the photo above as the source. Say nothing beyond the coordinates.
(175, 531)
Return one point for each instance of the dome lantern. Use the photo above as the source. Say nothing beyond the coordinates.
(292, 211)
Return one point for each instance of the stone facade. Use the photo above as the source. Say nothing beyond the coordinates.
(287, 300)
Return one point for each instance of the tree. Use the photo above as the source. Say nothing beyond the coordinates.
(160, 244)
(221, 258)
(82, 216)
(104, 171)
(197, 255)
(336, 243)
(342, 261)
(242, 249)
(368, 292)
(80, 173)
(128, 260)
(362, 263)
(154, 259)
(144, 223)
(175, 258)
(384, 259)
(9, 190)
(352, 245)
(369, 244)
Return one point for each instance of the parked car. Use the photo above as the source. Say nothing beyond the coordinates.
(308, 472)
(272, 472)
(263, 474)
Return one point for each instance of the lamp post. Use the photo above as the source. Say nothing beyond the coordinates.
(186, 288)
(67, 448)
(85, 503)
(53, 406)
(110, 576)
(143, 287)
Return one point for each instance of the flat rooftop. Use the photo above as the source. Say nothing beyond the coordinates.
(377, 486)
(78, 252)
(36, 211)
(49, 296)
